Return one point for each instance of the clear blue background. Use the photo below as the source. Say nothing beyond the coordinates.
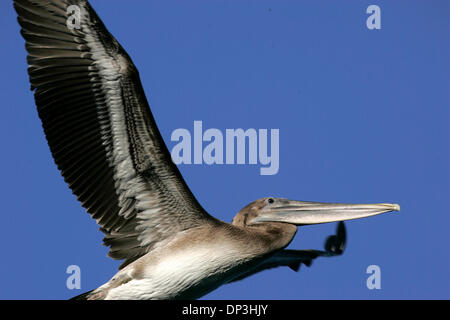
(363, 117)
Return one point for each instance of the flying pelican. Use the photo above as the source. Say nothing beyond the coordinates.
(107, 146)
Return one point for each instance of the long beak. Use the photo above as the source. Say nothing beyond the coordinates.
(302, 213)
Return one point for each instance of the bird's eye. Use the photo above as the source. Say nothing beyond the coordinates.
(270, 200)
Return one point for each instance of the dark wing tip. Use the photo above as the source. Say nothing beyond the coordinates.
(295, 266)
(336, 243)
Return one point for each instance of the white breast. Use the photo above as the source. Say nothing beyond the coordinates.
(204, 268)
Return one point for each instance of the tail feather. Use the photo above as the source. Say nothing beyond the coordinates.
(83, 296)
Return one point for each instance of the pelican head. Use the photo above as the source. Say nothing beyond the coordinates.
(299, 213)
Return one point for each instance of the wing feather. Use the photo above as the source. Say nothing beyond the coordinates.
(101, 132)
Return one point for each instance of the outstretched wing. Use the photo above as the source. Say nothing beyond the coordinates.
(100, 129)
(334, 246)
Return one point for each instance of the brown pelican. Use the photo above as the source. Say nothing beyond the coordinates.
(106, 144)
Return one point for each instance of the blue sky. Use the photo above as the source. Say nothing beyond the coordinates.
(363, 117)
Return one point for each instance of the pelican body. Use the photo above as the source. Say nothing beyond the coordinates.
(106, 144)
